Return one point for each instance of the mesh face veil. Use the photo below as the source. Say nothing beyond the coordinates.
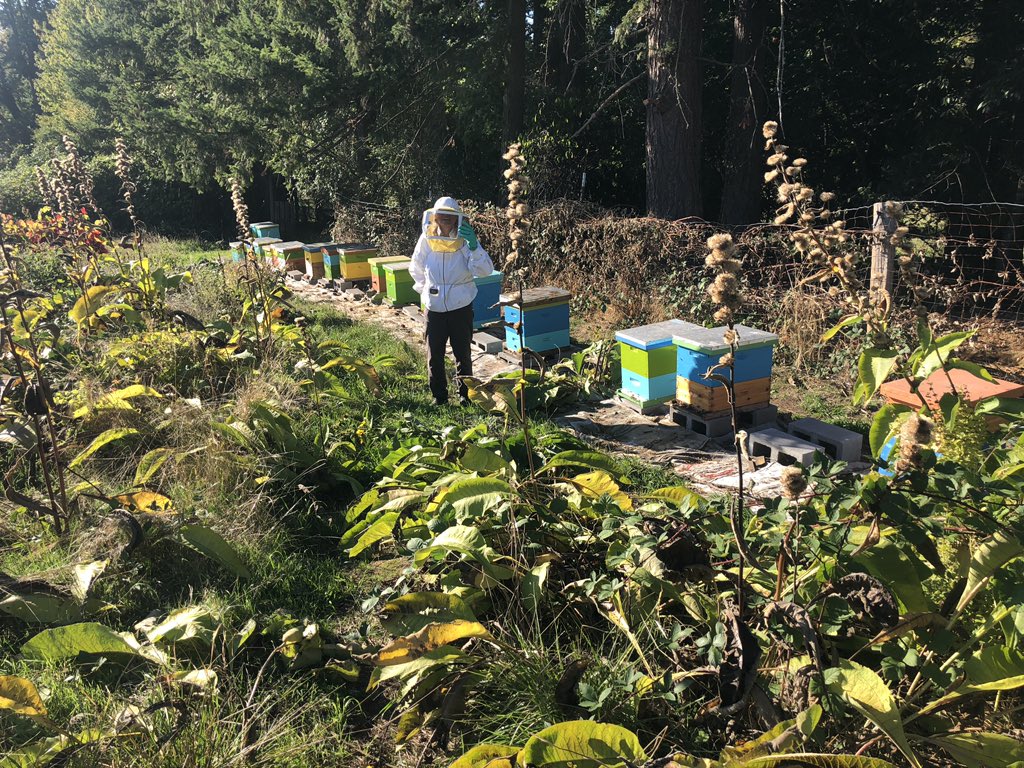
(441, 226)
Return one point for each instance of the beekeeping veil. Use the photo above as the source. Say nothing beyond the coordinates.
(440, 242)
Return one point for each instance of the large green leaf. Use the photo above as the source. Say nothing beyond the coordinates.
(781, 739)
(213, 545)
(980, 749)
(466, 540)
(484, 461)
(994, 668)
(582, 744)
(533, 586)
(866, 692)
(488, 756)
(1008, 407)
(117, 400)
(846, 322)
(415, 610)
(941, 350)
(42, 607)
(101, 440)
(68, 642)
(474, 496)
(379, 530)
(85, 575)
(586, 459)
(192, 627)
(884, 426)
(895, 568)
(873, 368)
(20, 696)
(678, 495)
(988, 557)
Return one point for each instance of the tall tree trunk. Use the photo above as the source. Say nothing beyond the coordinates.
(515, 72)
(675, 28)
(748, 99)
(566, 45)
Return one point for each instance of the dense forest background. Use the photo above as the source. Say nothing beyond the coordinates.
(652, 106)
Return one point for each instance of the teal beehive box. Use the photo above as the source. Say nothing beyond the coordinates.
(237, 250)
(649, 361)
(488, 294)
(261, 245)
(265, 229)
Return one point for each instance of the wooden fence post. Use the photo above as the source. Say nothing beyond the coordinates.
(883, 250)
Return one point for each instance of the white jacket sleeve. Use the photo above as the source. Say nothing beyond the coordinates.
(479, 262)
(418, 267)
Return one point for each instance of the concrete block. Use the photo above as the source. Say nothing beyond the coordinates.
(755, 418)
(353, 294)
(715, 426)
(296, 275)
(837, 442)
(487, 343)
(780, 446)
(415, 313)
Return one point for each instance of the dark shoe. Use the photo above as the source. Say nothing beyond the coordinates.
(440, 402)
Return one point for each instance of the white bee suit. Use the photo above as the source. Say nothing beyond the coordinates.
(445, 280)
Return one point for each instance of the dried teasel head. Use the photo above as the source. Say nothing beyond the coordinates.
(769, 129)
(916, 432)
(793, 483)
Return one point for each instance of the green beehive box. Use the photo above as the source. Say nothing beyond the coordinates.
(289, 256)
(237, 250)
(379, 280)
(400, 291)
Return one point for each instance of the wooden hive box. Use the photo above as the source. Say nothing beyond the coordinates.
(289, 256)
(265, 229)
(332, 261)
(699, 350)
(355, 260)
(237, 250)
(544, 319)
(649, 361)
(378, 280)
(488, 294)
(399, 284)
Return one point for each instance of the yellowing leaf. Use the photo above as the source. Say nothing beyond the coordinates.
(146, 501)
(866, 692)
(487, 756)
(88, 304)
(991, 555)
(20, 696)
(598, 483)
(430, 638)
(110, 436)
(582, 744)
(85, 575)
(117, 399)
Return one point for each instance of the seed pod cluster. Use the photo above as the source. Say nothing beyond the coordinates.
(518, 210)
(241, 209)
(123, 170)
(915, 434)
(725, 290)
(78, 171)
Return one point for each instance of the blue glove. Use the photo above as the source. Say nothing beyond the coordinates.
(466, 233)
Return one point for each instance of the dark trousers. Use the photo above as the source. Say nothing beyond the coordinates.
(443, 327)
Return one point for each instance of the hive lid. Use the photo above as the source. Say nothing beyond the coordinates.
(656, 335)
(266, 240)
(970, 388)
(356, 247)
(397, 266)
(709, 341)
(316, 246)
(381, 260)
(263, 224)
(535, 297)
(290, 245)
(494, 277)
(235, 244)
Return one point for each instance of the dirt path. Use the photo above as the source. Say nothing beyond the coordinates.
(706, 465)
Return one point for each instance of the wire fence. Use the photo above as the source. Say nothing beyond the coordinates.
(970, 256)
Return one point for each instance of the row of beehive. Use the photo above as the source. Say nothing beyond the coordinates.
(537, 320)
(668, 361)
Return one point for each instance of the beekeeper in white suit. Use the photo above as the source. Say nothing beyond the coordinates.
(447, 258)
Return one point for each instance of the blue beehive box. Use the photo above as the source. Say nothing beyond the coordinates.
(700, 349)
(237, 250)
(488, 294)
(544, 319)
(265, 229)
(648, 361)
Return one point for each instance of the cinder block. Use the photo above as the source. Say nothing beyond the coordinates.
(415, 313)
(296, 275)
(755, 418)
(716, 426)
(353, 294)
(782, 447)
(837, 442)
(487, 343)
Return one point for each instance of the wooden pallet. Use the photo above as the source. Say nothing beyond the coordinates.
(643, 407)
(532, 357)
